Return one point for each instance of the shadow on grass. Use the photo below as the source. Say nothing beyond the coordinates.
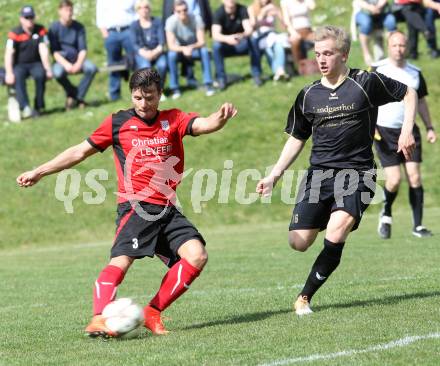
(253, 317)
(90, 104)
(387, 300)
(244, 318)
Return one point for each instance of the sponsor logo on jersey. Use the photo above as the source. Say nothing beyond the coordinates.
(333, 96)
(165, 125)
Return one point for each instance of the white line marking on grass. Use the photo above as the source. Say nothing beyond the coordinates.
(402, 342)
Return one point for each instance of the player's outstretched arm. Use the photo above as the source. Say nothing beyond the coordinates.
(215, 121)
(406, 143)
(68, 158)
(290, 152)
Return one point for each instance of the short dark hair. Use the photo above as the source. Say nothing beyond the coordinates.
(65, 3)
(144, 78)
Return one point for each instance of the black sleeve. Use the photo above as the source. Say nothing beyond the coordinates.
(82, 40)
(189, 128)
(218, 16)
(297, 124)
(243, 13)
(422, 91)
(382, 89)
(55, 45)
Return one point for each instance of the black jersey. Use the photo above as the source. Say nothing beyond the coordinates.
(342, 120)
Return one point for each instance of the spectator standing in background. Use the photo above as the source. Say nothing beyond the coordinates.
(27, 55)
(113, 18)
(148, 38)
(69, 48)
(413, 12)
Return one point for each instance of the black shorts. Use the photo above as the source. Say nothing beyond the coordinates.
(150, 229)
(387, 147)
(348, 190)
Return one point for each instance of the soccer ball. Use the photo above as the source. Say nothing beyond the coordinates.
(123, 316)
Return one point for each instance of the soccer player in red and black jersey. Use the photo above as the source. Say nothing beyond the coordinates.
(148, 153)
(339, 112)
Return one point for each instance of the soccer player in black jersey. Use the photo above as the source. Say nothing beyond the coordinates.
(339, 111)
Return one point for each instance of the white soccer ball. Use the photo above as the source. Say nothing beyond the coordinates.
(123, 316)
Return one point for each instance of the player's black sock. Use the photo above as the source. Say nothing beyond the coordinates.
(323, 267)
(416, 201)
(389, 199)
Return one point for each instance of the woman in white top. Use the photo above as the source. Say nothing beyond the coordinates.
(296, 15)
(263, 15)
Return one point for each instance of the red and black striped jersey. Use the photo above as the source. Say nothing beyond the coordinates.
(148, 154)
(26, 44)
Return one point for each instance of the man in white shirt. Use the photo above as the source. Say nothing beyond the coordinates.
(389, 124)
(113, 18)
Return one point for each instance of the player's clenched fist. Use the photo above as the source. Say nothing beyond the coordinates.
(28, 179)
(265, 186)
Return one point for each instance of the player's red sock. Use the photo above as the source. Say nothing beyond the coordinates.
(174, 284)
(105, 287)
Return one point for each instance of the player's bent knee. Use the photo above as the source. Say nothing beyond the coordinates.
(302, 239)
(393, 184)
(414, 180)
(123, 262)
(197, 260)
(194, 253)
(298, 243)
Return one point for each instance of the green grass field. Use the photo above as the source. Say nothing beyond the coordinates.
(381, 307)
(383, 296)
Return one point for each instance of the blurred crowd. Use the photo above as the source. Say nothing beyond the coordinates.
(133, 38)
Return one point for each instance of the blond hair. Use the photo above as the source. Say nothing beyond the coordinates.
(341, 37)
(140, 3)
